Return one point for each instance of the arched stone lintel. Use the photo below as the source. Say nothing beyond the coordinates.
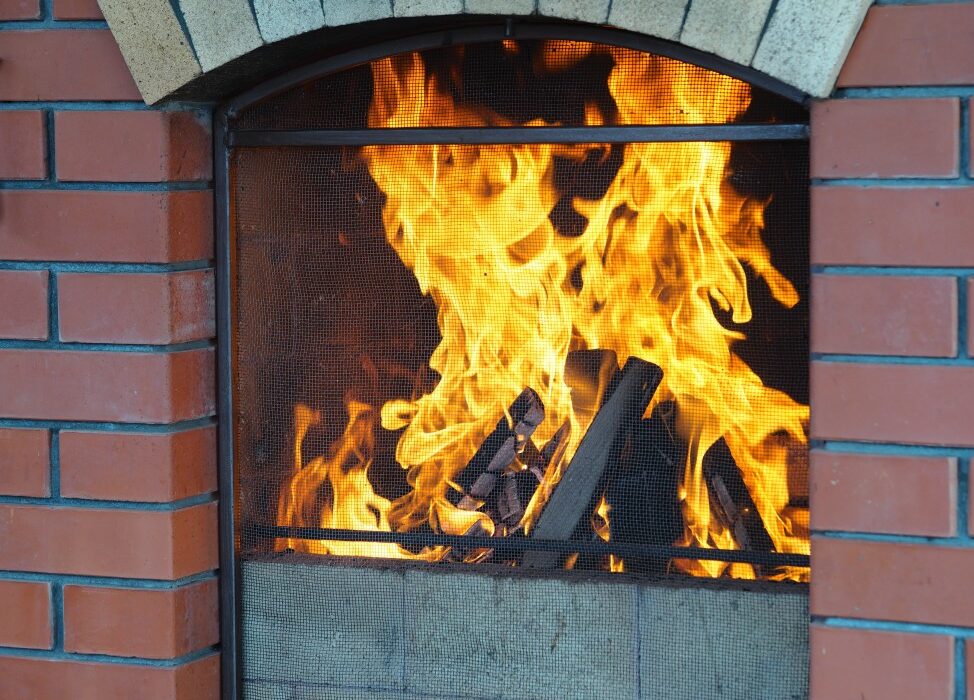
(172, 44)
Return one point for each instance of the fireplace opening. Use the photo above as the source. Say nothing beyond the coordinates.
(517, 316)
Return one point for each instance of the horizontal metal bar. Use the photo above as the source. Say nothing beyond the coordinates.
(522, 544)
(527, 134)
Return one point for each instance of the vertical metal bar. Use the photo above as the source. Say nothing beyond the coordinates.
(229, 579)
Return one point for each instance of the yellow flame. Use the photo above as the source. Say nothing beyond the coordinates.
(669, 240)
(600, 524)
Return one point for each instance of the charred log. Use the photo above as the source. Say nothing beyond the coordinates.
(731, 500)
(498, 451)
(572, 497)
(643, 488)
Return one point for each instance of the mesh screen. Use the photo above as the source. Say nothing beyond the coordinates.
(337, 348)
(444, 354)
(528, 82)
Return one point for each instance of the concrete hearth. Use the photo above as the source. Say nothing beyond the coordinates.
(317, 629)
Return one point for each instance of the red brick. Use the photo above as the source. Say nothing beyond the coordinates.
(23, 148)
(106, 226)
(970, 505)
(917, 227)
(884, 315)
(915, 404)
(24, 678)
(77, 9)
(24, 462)
(883, 494)
(892, 581)
(918, 45)
(151, 624)
(64, 64)
(105, 542)
(138, 466)
(970, 316)
(143, 146)
(25, 608)
(157, 308)
(20, 9)
(970, 130)
(107, 386)
(853, 664)
(868, 138)
(24, 294)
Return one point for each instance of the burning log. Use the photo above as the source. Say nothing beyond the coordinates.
(731, 500)
(514, 495)
(480, 477)
(571, 499)
(519, 486)
(497, 452)
(643, 488)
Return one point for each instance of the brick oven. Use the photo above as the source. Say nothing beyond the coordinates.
(268, 431)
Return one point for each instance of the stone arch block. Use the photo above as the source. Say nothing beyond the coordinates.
(171, 45)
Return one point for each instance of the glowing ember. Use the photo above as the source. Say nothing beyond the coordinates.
(666, 245)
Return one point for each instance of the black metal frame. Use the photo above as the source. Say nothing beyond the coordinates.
(226, 138)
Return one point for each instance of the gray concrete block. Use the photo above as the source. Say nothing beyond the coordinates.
(265, 690)
(500, 7)
(729, 28)
(327, 628)
(341, 12)
(595, 11)
(426, 8)
(806, 42)
(519, 638)
(222, 30)
(153, 44)
(332, 625)
(281, 19)
(662, 18)
(733, 644)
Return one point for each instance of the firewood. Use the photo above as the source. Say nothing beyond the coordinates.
(498, 451)
(643, 488)
(572, 497)
(731, 500)
(513, 496)
(553, 450)
(722, 502)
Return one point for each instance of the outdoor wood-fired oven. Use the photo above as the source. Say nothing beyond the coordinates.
(515, 346)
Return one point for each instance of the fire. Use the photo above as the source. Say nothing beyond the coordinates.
(667, 243)
(600, 524)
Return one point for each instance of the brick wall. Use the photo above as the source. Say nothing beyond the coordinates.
(108, 524)
(107, 448)
(892, 369)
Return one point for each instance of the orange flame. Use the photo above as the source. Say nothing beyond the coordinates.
(600, 524)
(669, 240)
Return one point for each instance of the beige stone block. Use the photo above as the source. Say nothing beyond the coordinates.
(341, 12)
(326, 625)
(519, 638)
(806, 42)
(729, 28)
(426, 8)
(264, 690)
(722, 642)
(595, 11)
(280, 19)
(662, 18)
(153, 44)
(500, 7)
(222, 30)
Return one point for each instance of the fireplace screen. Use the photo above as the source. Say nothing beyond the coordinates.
(528, 306)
